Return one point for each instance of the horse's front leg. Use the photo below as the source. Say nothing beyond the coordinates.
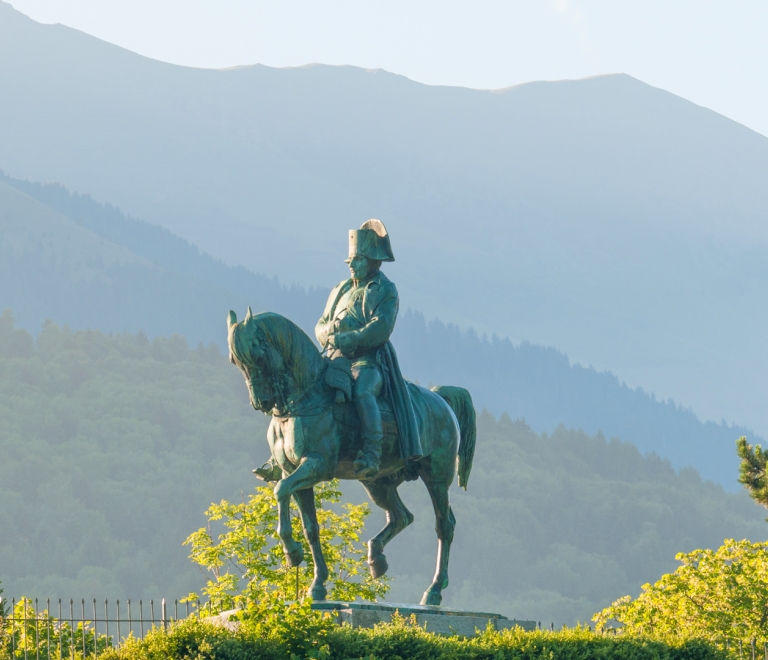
(304, 476)
(306, 501)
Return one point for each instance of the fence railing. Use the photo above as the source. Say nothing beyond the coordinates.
(82, 629)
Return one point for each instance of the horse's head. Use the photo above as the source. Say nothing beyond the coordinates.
(276, 357)
(248, 352)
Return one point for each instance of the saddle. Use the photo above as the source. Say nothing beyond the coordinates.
(338, 376)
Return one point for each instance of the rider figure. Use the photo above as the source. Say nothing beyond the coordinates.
(358, 321)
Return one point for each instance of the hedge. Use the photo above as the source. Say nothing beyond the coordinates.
(197, 640)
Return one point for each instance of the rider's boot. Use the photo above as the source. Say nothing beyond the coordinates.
(270, 471)
(366, 464)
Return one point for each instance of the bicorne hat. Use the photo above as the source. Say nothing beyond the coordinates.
(371, 240)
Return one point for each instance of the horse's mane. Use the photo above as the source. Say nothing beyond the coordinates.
(300, 355)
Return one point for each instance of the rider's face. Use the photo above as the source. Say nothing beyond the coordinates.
(359, 266)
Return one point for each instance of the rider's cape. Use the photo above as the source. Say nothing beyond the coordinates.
(379, 309)
(405, 416)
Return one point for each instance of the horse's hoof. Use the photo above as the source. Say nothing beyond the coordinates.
(318, 592)
(378, 566)
(431, 597)
(295, 557)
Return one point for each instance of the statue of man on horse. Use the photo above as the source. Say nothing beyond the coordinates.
(357, 323)
(389, 432)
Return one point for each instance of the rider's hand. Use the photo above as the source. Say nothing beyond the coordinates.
(339, 341)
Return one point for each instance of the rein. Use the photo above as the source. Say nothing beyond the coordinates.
(289, 408)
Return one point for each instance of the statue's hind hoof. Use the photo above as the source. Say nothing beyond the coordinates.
(431, 598)
(295, 556)
(378, 565)
(318, 592)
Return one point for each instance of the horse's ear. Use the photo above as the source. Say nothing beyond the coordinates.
(231, 319)
(249, 315)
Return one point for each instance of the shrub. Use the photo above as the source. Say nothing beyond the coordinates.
(246, 563)
(398, 640)
(715, 595)
(34, 633)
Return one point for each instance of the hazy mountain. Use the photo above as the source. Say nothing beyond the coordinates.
(101, 269)
(616, 221)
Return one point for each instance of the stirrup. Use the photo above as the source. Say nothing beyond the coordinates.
(268, 472)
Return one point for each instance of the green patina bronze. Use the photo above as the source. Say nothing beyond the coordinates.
(347, 413)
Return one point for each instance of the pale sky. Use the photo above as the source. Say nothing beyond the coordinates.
(714, 53)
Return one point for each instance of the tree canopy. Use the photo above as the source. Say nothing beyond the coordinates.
(244, 563)
(716, 595)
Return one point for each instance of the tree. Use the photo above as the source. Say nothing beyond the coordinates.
(246, 563)
(752, 470)
(717, 595)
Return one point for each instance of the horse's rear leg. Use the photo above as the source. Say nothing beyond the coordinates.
(306, 502)
(445, 522)
(385, 495)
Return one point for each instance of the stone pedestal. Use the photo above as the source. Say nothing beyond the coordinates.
(440, 620)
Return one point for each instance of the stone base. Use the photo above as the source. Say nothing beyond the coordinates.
(439, 620)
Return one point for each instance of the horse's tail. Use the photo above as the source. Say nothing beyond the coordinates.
(461, 403)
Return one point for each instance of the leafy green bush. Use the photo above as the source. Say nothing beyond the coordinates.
(35, 633)
(246, 564)
(716, 595)
(395, 641)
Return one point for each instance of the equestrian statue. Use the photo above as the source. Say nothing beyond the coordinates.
(346, 412)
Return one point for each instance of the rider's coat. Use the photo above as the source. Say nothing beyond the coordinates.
(363, 315)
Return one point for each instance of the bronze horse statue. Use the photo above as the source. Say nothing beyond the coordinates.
(314, 437)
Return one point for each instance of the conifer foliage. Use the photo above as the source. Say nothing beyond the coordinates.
(752, 471)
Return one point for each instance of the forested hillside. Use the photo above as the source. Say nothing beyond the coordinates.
(115, 273)
(111, 447)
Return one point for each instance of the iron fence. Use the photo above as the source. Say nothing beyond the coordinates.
(82, 629)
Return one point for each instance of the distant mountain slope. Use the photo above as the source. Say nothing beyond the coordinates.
(103, 270)
(616, 221)
(32, 230)
(179, 290)
(113, 446)
(539, 384)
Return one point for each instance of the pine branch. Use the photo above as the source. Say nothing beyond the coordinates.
(752, 471)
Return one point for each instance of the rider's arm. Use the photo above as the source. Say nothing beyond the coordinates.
(377, 331)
